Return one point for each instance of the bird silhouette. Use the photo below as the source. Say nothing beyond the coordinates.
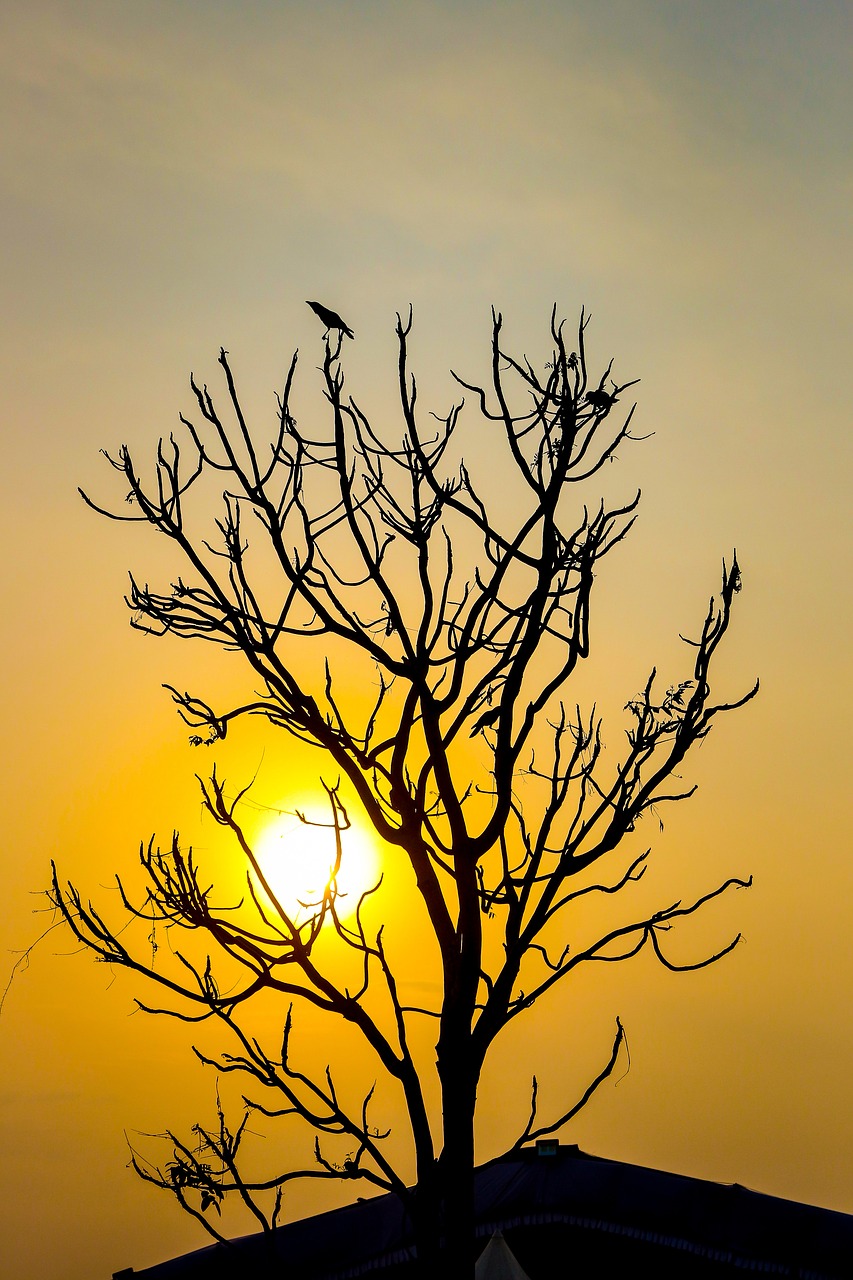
(600, 400)
(330, 319)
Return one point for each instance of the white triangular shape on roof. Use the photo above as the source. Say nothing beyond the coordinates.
(498, 1262)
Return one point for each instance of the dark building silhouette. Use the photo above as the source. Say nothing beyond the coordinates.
(563, 1213)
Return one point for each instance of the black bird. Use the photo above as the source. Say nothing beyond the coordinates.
(330, 319)
(600, 400)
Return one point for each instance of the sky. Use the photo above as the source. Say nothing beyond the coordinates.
(175, 177)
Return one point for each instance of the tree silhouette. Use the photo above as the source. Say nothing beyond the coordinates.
(469, 611)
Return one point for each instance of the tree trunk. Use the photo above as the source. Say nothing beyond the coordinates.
(456, 1163)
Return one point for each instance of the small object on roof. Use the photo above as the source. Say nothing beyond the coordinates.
(330, 319)
(498, 1262)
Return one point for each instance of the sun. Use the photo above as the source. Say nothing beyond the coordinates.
(298, 859)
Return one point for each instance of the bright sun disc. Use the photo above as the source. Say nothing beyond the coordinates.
(298, 859)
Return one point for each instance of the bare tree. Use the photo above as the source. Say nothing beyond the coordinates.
(471, 615)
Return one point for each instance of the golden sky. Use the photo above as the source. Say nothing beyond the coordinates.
(179, 175)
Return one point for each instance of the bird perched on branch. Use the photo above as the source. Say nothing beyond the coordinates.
(600, 400)
(330, 319)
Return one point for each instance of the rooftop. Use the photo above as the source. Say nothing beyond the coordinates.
(553, 1202)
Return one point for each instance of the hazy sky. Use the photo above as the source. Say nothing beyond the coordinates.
(179, 176)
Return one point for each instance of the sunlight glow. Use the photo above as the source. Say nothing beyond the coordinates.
(298, 860)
